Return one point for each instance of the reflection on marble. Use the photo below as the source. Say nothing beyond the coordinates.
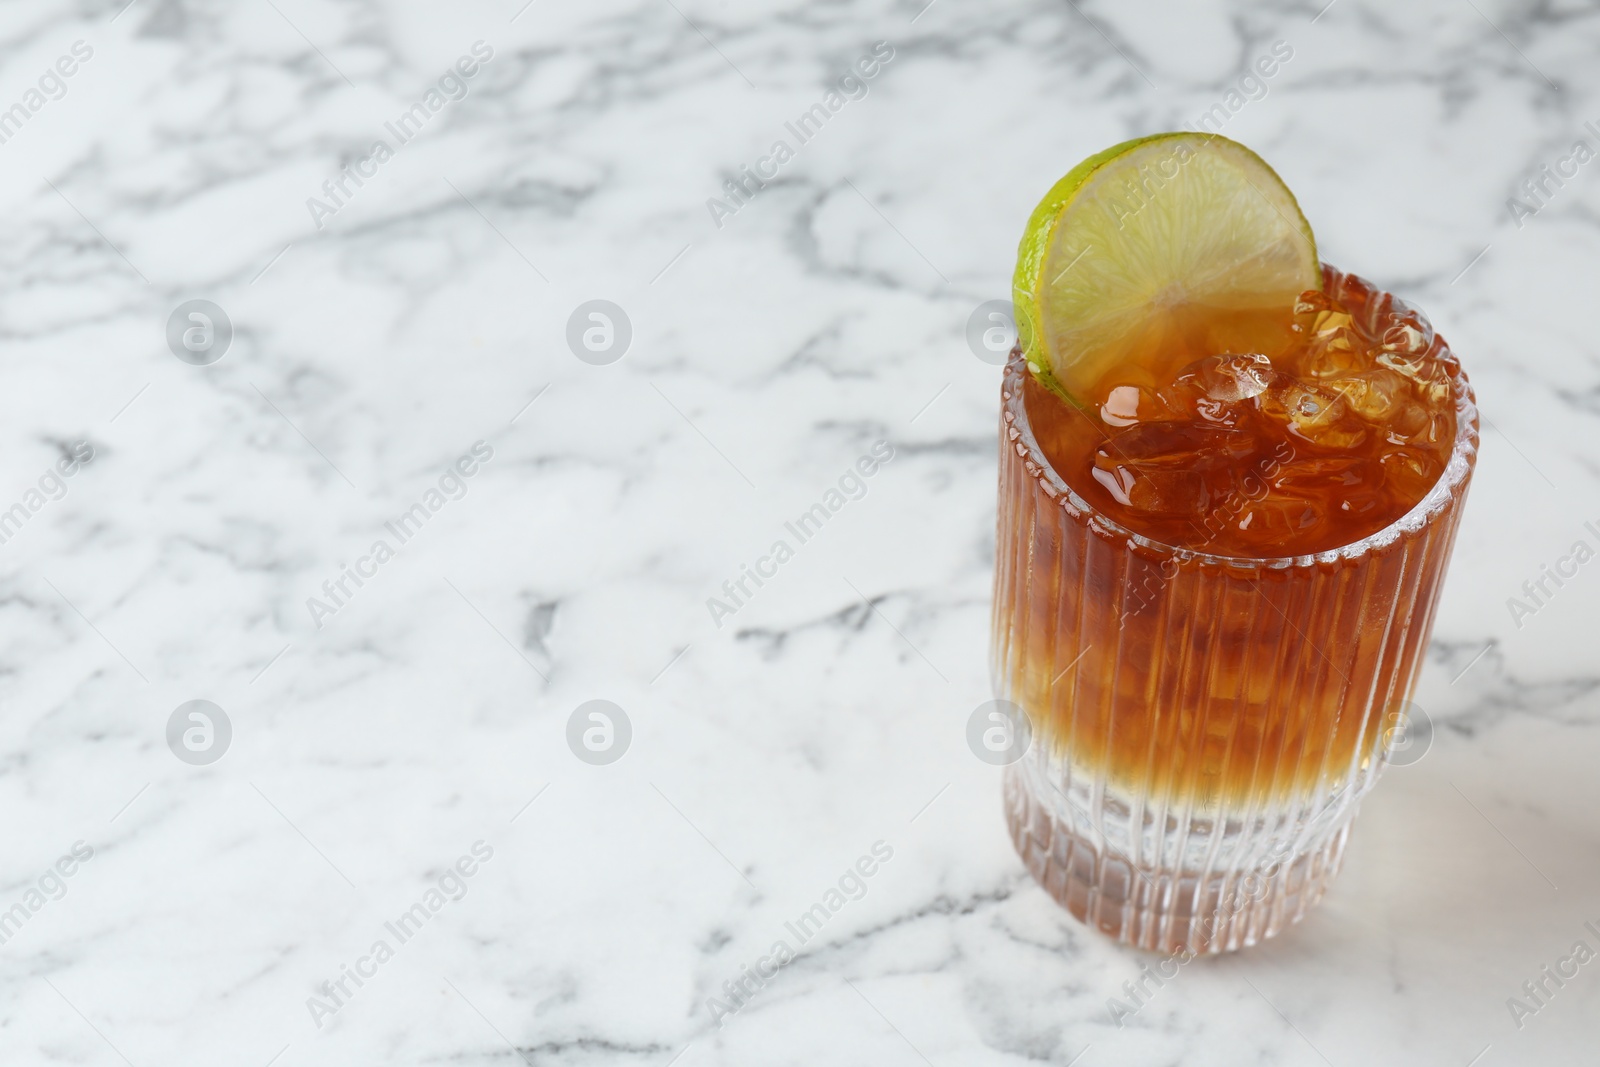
(374, 747)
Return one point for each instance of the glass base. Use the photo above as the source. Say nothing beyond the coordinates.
(1200, 911)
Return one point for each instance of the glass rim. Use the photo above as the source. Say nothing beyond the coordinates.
(1434, 502)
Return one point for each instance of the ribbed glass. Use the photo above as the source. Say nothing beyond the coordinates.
(1204, 727)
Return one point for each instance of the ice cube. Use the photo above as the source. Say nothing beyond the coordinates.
(1409, 472)
(1333, 351)
(1419, 419)
(1377, 394)
(1306, 475)
(1231, 377)
(1363, 504)
(1281, 517)
(1174, 445)
(1171, 468)
(1409, 422)
(1313, 413)
(1127, 405)
(1330, 343)
(1351, 486)
(1441, 429)
(1407, 338)
(1424, 369)
(1178, 493)
(1216, 387)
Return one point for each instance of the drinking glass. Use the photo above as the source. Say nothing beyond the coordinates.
(1203, 728)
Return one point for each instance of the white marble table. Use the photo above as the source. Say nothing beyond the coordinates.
(383, 732)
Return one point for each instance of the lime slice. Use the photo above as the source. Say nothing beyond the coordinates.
(1163, 241)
